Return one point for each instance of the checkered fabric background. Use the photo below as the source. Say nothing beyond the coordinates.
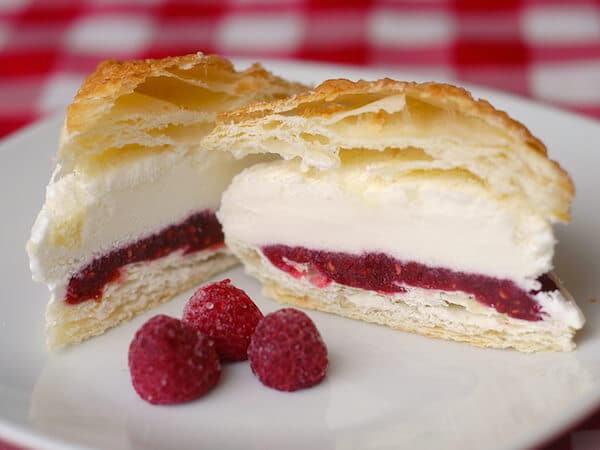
(547, 50)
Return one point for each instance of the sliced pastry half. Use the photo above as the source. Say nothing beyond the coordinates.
(409, 205)
(129, 218)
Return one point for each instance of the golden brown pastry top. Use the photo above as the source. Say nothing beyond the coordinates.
(445, 121)
(324, 101)
(151, 102)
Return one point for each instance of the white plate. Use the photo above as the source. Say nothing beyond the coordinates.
(385, 389)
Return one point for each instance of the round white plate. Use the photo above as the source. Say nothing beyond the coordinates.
(385, 389)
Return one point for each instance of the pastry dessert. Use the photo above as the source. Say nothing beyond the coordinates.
(409, 205)
(129, 217)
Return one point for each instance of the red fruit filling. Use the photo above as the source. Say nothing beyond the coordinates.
(382, 273)
(170, 362)
(198, 232)
(225, 314)
(287, 352)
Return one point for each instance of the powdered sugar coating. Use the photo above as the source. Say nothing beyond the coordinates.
(287, 352)
(170, 362)
(227, 315)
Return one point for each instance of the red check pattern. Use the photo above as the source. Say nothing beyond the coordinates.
(545, 49)
(548, 50)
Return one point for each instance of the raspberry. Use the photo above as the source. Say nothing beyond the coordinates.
(227, 315)
(170, 362)
(287, 352)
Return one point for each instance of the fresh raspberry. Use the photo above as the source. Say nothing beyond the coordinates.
(287, 352)
(227, 315)
(170, 362)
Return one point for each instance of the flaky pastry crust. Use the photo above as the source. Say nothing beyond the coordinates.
(113, 98)
(307, 126)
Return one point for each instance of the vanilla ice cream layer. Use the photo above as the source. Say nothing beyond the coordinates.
(91, 212)
(438, 218)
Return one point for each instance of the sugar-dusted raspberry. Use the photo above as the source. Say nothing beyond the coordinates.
(170, 362)
(287, 352)
(227, 315)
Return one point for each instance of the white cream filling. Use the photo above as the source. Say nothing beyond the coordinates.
(440, 221)
(443, 220)
(86, 215)
(560, 305)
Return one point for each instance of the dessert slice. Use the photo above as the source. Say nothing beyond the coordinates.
(129, 218)
(409, 205)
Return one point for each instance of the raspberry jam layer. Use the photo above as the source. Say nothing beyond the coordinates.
(382, 273)
(198, 232)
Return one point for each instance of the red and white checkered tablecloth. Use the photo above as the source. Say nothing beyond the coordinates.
(545, 49)
(549, 50)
